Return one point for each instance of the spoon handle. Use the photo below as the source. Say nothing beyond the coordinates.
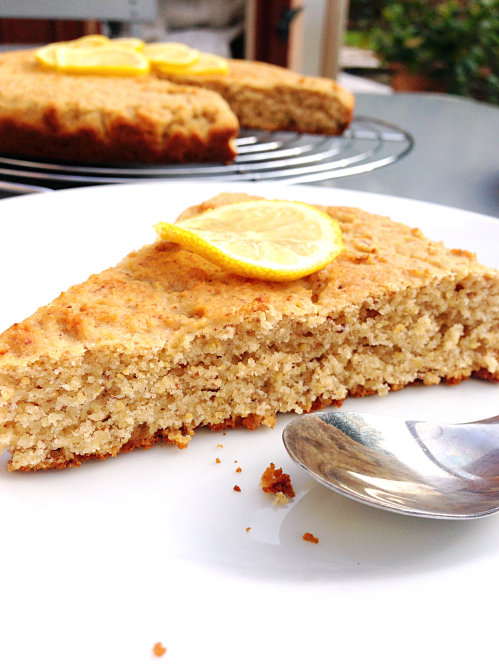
(492, 419)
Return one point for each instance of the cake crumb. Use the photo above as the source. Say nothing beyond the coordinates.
(275, 481)
(248, 529)
(159, 650)
(220, 446)
(308, 536)
(280, 498)
(224, 433)
(237, 489)
(239, 470)
(218, 460)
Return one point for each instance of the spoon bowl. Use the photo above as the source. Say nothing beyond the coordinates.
(410, 467)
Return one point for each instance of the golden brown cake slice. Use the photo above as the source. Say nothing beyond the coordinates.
(273, 98)
(166, 342)
(83, 118)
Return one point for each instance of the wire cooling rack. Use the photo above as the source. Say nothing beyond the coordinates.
(286, 157)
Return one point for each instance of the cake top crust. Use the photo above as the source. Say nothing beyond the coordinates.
(266, 77)
(164, 295)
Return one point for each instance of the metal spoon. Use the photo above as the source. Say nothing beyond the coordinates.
(410, 467)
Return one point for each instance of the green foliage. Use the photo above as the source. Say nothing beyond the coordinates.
(457, 45)
(357, 38)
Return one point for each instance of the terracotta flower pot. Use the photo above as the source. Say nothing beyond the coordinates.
(405, 81)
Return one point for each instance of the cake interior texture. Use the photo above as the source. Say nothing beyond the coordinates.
(166, 342)
(273, 98)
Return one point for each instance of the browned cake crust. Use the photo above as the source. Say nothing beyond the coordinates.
(51, 115)
(273, 98)
(166, 342)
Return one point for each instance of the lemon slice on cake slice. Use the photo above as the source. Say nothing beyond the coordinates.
(268, 240)
(170, 56)
(105, 60)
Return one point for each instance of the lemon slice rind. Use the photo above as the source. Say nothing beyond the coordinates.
(292, 254)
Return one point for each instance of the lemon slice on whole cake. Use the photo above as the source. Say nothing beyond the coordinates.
(171, 56)
(90, 41)
(47, 55)
(207, 63)
(105, 60)
(268, 240)
(129, 42)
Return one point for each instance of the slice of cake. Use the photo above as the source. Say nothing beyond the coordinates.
(166, 342)
(83, 118)
(273, 98)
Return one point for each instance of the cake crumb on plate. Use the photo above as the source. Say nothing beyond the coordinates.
(308, 536)
(237, 489)
(280, 498)
(275, 481)
(159, 650)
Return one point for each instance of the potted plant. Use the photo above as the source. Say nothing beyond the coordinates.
(448, 46)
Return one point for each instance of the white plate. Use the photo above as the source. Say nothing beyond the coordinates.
(101, 562)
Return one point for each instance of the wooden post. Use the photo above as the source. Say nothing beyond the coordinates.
(334, 26)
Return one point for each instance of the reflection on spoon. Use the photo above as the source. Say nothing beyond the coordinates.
(411, 467)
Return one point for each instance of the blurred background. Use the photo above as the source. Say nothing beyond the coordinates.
(369, 45)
